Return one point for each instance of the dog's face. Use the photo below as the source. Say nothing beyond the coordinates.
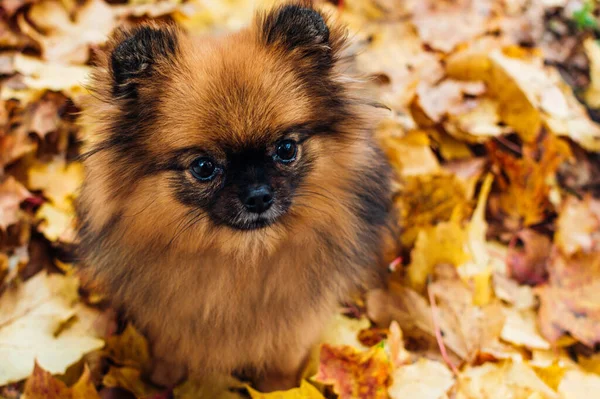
(222, 138)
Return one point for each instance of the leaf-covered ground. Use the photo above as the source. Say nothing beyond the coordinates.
(491, 131)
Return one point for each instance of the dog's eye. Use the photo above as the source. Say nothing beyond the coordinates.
(204, 169)
(286, 151)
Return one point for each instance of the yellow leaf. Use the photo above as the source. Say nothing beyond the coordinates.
(130, 349)
(590, 364)
(57, 225)
(58, 181)
(426, 200)
(444, 243)
(41, 385)
(130, 379)
(306, 391)
(478, 123)
(219, 387)
(411, 154)
(32, 326)
(592, 94)
(39, 76)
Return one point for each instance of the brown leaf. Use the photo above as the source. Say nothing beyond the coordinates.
(570, 303)
(41, 385)
(523, 181)
(354, 374)
(527, 263)
(68, 40)
(12, 193)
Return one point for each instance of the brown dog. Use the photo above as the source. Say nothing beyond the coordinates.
(234, 193)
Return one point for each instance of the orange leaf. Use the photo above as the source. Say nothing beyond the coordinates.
(42, 385)
(354, 374)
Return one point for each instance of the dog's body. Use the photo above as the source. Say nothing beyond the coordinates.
(186, 134)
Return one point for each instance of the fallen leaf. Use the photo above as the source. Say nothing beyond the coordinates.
(592, 94)
(41, 385)
(520, 329)
(355, 374)
(306, 390)
(402, 62)
(425, 379)
(57, 224)
(524, 181)
(447, 97)
(12, 193)
(39, 76)
(578, 385)
(58, 181)
(130, 379)
(130, 348)
(411, 154)
(39, 321)
(501, 381)
(66, 39)
(448, 239)
(427, 200)
(527, 263)
(219, 387)
(445, 25)
(571, 301)
(578, 226)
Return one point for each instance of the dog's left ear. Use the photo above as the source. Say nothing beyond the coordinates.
(298, 28)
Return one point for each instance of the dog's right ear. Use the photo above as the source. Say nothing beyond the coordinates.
(137, 53)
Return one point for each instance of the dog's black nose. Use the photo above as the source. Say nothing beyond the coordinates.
(258, 198)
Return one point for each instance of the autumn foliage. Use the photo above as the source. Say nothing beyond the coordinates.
(492, 132)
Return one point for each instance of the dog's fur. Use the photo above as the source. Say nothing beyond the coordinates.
(214, 298)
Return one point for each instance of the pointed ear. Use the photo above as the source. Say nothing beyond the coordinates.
(138, 53)
(297, 27)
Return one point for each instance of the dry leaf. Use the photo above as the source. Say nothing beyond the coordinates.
(41, 385)
(306, 391)
(12, 193)
(445, 25)
(67, 40)
(58, 181)
(425, 379)
(354, 374)
(33, 326)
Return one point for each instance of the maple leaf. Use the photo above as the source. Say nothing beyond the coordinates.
(523, 181)
(41, 385)
(41, 320)
(67, 40)
(355, 374)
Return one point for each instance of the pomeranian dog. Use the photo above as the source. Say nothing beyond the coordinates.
(234, 192)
